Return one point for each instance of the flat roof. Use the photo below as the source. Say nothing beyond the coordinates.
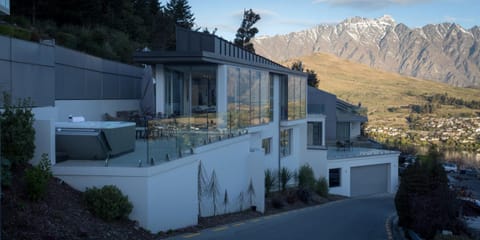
(197, 47)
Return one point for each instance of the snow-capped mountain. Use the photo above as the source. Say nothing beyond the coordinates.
(443, 52)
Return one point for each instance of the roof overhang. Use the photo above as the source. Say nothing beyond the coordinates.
(350, 117)
(174, 57)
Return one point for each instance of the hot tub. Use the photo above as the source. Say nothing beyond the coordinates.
(94, 140)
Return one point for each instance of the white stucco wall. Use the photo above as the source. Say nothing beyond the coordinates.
(44, 133)
(347, 163)
(165, 196)
(317, 159)
(234, 165)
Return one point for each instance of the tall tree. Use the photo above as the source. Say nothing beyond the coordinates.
(180, 12)
(312, 79)
(163, 31)
(246, 31)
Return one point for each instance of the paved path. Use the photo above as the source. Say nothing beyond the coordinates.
(358, 218)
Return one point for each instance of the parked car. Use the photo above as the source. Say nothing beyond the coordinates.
(450, 167)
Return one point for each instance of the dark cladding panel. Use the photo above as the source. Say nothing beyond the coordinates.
(126, 87)
(28, 52)
(110, 86)
(93, 63)
(65, 56)
(35, 82)
(109, 67)
(70, 82)
(93, 85)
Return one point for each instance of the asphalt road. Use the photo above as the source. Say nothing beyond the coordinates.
(356, 218)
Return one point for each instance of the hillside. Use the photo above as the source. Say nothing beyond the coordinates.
(379, 90)
(442, 52)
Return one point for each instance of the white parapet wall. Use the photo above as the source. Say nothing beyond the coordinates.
(166, 196)
(44, 133)
(163, 196)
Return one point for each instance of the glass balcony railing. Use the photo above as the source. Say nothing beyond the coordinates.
(167, 139)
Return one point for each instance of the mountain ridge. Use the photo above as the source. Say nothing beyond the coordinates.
(380, 90)
(443, 52)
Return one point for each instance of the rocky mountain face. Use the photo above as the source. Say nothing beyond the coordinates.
(442, 52)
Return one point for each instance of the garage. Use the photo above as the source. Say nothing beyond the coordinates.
(366, 180)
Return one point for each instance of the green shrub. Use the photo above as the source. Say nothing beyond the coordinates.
(37, 177)
(321, 187)
(285, 176)
(306, 179)
(270, 181)
(66, 39)
(18, 134)
(22, 34)
(6, 30)
(107, 202)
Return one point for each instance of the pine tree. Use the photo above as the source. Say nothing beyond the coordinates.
(246, 31)
(180, 12)
(312, 79)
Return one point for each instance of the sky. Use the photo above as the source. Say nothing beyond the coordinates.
(285, 16)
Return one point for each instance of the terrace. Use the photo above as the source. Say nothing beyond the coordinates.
(357, 149)
(154, 141)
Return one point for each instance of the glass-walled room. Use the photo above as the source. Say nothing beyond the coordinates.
(293, 97)
(191, 95)
(249, 97)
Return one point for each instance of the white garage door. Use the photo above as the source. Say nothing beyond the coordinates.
(366, 180)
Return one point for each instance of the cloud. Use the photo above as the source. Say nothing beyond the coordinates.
(457, 19)
(369, 4)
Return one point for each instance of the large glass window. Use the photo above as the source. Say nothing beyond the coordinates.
(176, 91)
(285, 142)
(266, 97)
(232, 98)
(294, 98)
(244, 88)
(249, 97)
(191, 91)
(255, 84)
(343, 131)
(283, 97)
(204, 93)
(267, 145)
(314, 134)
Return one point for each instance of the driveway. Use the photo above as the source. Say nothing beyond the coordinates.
(356, 218)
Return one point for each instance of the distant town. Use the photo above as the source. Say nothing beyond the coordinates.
(456, 133)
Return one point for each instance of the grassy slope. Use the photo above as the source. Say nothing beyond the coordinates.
(378, 90)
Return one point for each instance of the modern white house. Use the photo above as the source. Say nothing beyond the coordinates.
(207, 111)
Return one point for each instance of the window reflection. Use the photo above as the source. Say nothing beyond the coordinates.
(249, 97)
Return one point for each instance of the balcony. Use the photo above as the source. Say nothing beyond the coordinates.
(356, 149)
(159, 140)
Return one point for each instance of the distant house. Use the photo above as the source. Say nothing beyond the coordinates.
(214, 108)
(343, 121)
